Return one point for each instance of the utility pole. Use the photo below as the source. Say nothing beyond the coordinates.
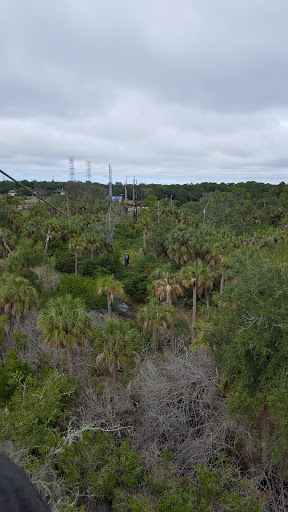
(110, 182)
(125, 189)
(134, 190)
(134, 201)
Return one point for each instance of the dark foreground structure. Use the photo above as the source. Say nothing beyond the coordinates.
(17, 494)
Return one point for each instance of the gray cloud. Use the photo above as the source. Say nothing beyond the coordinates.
(168, 91)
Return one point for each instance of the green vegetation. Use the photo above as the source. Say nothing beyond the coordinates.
(161, 386)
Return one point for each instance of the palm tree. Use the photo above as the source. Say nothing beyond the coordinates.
(179, 246)
(167, 289)
(15, 217)
(195, 274)
(78, 244)
(32, 228)
(117, 345)
(154, 315)
(225, 245)
(145, 224)
(17, 295)
(65, 324)
(60, 228)
(94, 241)
(207, 284)
(109, 286)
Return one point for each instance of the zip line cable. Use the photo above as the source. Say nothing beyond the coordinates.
(41, 198)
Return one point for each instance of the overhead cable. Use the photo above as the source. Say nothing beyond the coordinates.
(44, 200)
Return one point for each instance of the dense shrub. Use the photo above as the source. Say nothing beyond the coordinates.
(136, 280)
(84, 288)
(65, 261)
(107, 263)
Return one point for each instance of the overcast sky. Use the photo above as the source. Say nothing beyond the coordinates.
(171, 91)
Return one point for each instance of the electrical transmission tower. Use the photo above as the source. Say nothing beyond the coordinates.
(88, 170)
(72, 169)
(110, 182)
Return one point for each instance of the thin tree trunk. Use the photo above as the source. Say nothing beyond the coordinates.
(168, 296)
(173, 346)
(91, 252)
(253, 239)
(222, 282)
(113, 375)
(265, 427)
(47, 239)
(76, 260)
(4, 243)
(109, 305)
(158, 212)
(154, 341)
(46, 249)
(194, 310)
(144, 239)
(70, 361)
(207, 297)
(182, 220)
(3, 355)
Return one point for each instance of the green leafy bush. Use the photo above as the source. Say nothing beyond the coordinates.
(84, 288)
(136, 280)
(249, 338)
(65, 261)
(30, 420)
(106, 263)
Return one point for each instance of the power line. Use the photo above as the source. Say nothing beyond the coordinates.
(41, 198)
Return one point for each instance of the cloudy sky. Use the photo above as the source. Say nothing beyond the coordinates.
(171, 91)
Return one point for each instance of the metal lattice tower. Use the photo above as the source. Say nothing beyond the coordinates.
(110, 181)
(72, 169)
(88, 170)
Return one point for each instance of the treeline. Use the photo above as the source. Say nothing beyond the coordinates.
(194, 192)
(181, 193)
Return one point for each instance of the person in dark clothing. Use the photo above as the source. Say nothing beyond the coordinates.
(126, 260)
(17, 494)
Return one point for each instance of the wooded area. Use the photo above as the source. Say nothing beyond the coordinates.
(159, 386)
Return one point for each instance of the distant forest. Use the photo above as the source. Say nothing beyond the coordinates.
(180, 193)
